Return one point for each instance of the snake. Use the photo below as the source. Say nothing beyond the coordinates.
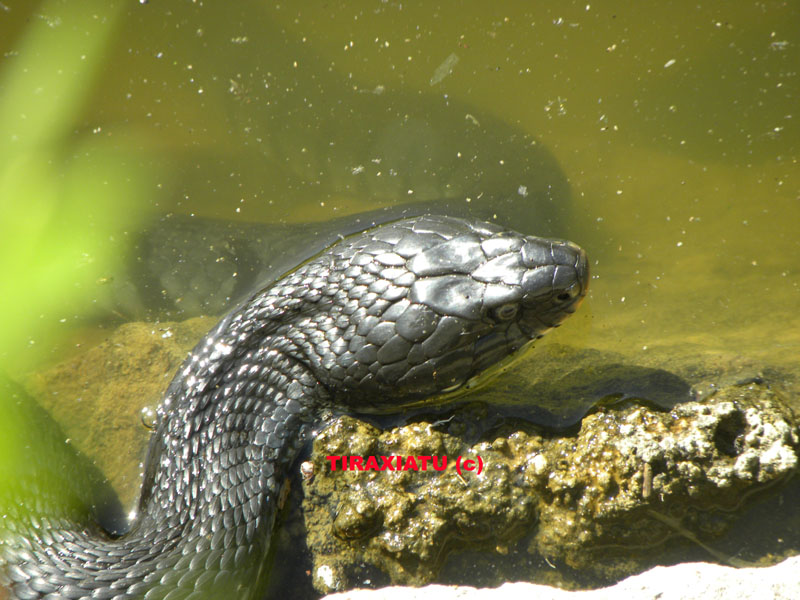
(412, 311)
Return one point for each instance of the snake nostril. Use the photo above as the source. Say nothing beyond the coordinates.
(564, 296)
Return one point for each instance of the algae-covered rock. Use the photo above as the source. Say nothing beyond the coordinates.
(629, 478)
(636, 477)
(404, 518)
(97, 397)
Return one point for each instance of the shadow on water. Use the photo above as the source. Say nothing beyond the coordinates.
(289, 132)
(565, 400)
(277, 131)
(43, 478)
(184, 267)
(567, 384)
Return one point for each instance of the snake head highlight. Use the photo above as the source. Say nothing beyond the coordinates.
(422, 306)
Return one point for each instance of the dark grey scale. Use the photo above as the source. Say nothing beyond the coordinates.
(444, 337)
(339, 346)
(500, 295)
(416, 355)
(366, 278)
(338, 372)
(374, 269)
(380, 305)
(390, 259)
(506, 268)
(393, 273)
(379, 286)
(463, 251)
(459, 295)
(366, 324)
(413, 244)
(538, 282)
(563, 277)
(332, 333)
(445, 228)
(392, 315)
(368, 354)
(416, 322)
(535, 254)
(376, 247)
(350, 305)
(358, 290)
(369, 298)
(356, 343)
(498, 245)
(319, 283)
(352, 272)
(389, 234)
(394, 350)
(395, 310)
(405, 280)
(381, 333)
(390, 374)
(334, 277)
(489, 230)
(360, 259)
(394, 293)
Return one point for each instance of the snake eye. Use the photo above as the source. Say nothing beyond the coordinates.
(505, 312)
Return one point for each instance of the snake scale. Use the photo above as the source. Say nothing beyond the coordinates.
(408, 310)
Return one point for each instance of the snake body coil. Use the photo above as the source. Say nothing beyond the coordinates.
(393, 315)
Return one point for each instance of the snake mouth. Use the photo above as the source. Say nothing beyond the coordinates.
(535, 322)
(486, 375)
(566, 292)
(475, 381)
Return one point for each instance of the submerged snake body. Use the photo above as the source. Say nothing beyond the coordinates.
(396, 314)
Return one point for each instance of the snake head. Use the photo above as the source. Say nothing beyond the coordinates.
(422, 306)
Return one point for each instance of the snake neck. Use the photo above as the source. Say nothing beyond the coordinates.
(230, 425)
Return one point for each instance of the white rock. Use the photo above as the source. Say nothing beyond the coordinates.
(688, 581)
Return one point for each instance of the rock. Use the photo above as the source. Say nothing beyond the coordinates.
(688, 581)
(630, 478)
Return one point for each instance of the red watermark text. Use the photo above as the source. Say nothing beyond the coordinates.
(402, 463)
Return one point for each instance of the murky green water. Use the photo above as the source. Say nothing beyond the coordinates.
(674, 126)
(662, 138)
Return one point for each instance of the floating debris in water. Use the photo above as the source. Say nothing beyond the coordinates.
(444, 69)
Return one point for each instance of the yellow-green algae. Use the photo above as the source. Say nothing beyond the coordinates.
(583, 499)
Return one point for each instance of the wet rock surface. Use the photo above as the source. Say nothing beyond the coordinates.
(629, 478)
(688, 581)
(97, 397)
